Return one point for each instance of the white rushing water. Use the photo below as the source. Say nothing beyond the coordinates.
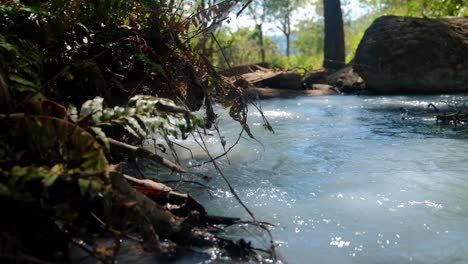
(350, 179)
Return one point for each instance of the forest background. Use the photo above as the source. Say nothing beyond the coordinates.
(290, 33)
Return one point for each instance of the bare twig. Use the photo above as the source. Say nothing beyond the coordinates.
(184, 147)
(83, 246)
(113, 231)
(266, 123)
(222, 155)
(190, 182)
(171, 147)
(205, 148)
(434, 107)
(147, 154)
(244, 7)
(222, 140)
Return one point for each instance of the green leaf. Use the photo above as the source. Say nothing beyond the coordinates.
(155, 67)
(19, 171)
(50, 179)
(144, 115)
(7, 46)
(89, 187)
(4, 190)
(72, 113)
(91, 107)
(133, 123)
(55, 139)
(18, 79)
(101, 136)
(131, 130)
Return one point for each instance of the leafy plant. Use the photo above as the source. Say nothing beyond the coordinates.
(22, 63)
(45, 153)
(143, 116)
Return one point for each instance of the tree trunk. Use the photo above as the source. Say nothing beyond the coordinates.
(288, 36)
(334, 35)
(261, 42)
(286, 29)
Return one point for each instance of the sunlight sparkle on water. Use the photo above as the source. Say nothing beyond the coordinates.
(354, 178)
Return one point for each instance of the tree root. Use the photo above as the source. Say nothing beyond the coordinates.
(193, 228)
(165, 223)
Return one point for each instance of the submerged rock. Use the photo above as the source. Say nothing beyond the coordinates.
(414, 55)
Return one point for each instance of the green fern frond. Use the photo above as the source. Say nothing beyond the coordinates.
(143, 116)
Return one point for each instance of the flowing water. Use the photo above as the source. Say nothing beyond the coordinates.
(348, 179)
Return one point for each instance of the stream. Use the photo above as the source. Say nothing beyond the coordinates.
(345, 179)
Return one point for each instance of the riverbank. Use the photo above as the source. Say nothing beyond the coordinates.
(264, 83)
(79, 95)
(270, 93)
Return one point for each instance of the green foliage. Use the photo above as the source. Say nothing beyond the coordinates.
(355, 28)
(45, 153)
(142, 117)
(155, 67)
(242, 47)
(426, 8)
(308, 44)
(48, 139)
(433, 8)
(307, 40)
(283, 9)
(58, 53)
(90, 12)
(22, 64)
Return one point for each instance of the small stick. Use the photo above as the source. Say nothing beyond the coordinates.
(147, 154)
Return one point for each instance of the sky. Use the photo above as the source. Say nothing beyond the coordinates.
(308, 12)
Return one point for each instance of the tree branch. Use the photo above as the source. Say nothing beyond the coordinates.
(144, 153)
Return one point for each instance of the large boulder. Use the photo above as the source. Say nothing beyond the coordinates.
(414, 55)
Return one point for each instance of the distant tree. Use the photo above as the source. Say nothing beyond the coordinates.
(334, 46)
(283, 11)
(259, 11)
(309, 37)
(240, 47)
(424, 8)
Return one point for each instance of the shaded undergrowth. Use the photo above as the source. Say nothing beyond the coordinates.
(82, 85)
